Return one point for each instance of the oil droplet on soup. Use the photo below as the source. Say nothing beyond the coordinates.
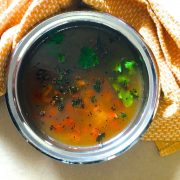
(82, 86)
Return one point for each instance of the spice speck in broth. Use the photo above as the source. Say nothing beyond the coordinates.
(78, 102)
(42, 113)
(134, 93)
(100, 137)
(73, 89)
(97, 86)
(58, 101)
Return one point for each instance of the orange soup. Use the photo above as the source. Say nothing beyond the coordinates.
(81, 85)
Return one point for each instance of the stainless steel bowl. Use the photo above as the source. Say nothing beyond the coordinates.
(115, 146)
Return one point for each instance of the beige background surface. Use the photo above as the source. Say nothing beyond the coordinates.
(19, 160)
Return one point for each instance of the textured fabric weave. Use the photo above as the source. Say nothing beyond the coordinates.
(159, 28)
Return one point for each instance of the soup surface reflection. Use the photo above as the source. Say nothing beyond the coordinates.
(81, 86)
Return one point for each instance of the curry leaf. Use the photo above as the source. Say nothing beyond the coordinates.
(88, 58)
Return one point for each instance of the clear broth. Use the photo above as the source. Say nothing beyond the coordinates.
(89, 108)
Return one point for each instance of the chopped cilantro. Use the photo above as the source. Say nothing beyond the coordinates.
(126, 97)
(62, 81)
(93, 99)
(61, 106)
(118, 68)
(121, 115)
(73, 89)
(77, 103)
(129, 64)
(88, 58)
(61, 58)
(124, 66)
(97, 86)
(100, 137)
(123, 80)
(59, 102)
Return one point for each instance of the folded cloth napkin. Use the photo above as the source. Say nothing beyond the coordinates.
(157, 22)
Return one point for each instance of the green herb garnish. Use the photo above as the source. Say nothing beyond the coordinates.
(77, 103)
(59, 102)
(88, 58)
(42, 75)
(93, 99)
(123, 80)
(56, 39)
(100, 137)
(61, 58)
(61, 106)
(118, 68)
(97, 86)
(121, 115)
(129, 64)
(126, 97)
(73, 89)
(62, 81)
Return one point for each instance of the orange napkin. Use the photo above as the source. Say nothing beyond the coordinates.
(153, 19)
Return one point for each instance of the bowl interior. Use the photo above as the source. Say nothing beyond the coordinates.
(27, 62)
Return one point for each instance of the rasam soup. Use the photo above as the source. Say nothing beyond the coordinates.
(81, 85)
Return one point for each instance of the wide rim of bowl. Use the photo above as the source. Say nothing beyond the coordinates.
(96, 153)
